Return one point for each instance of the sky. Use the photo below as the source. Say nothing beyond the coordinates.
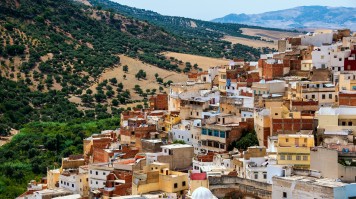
(211, 9)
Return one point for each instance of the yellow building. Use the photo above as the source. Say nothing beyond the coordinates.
(157, 177)
(53, 178)
(222, 79)
(294, 150)
(172, 118)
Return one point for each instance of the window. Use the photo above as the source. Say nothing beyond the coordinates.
(80, 180)
(175, 185)
(264, 175)
(330, 96)
(210, 132)
(96, 182)
(287, 140)
(305, 140)
(313, 96)
(350, 123)
(323, 96)
(340, 59)
(204, 132)
(298, 157)
(96, 173)
(289, 157)
(283, 157)
(222, 134)
(91, 172)
(197, 113)
(104, 173)
(216, 133)
(305, 157)
(306, 96)
(256, 175)
(343, 123)
(183, 183)
(191, 112)
(73, 185)
(284, 194)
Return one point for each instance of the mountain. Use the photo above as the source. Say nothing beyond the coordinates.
(304, 17)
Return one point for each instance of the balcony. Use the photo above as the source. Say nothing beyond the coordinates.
(213, 138)
(293, 150)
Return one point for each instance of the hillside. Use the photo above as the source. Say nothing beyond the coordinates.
(198, 32)
(69, 47)
(304, 17)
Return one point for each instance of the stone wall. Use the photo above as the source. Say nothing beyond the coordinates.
(221, 186)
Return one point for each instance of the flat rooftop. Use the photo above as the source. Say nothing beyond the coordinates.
(324, 182)
(176, 146)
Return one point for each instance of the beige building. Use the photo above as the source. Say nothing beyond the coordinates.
(177, 156)
(219, 135)
(158, 177)
(322, 91)
(336, 120)
(262, 122)
(328, 163)
(174, 101)
(269, 87)
(347, 82)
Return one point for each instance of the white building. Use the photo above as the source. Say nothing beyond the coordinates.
(317, 38)
(98, 174)
(296, 186)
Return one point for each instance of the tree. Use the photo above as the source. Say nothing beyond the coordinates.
(156, 76)
(115, 102)
(178, 142)
(89, 91)
(159, 80)
(160, 88)
(137, 88)
(40, 87)
(125, 68)
(110, 93)
(141, 74)
(248, 139)
(169, 82)
(113, 81)
(124, 76)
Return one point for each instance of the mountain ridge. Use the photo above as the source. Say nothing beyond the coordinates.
(302, 17)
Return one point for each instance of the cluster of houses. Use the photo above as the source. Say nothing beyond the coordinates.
(299, 103)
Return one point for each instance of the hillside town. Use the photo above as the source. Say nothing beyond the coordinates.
(282, 127)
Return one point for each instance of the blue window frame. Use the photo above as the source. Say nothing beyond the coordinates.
(222, 134)
(216, 133)
(210, 132)
(204, 132)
